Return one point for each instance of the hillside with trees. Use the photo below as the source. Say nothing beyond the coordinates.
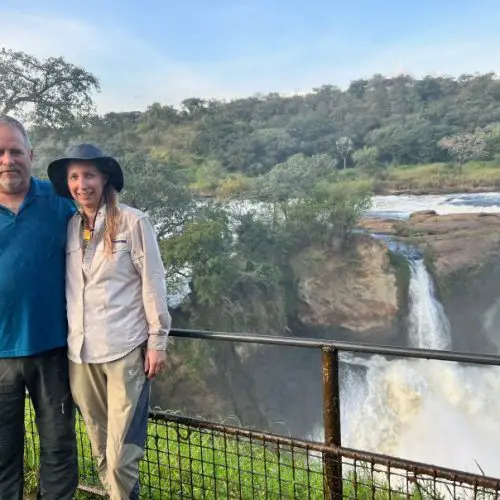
(367, 130)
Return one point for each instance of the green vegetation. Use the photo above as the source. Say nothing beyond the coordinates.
(373, 129)
(402, 270)
(439, 178)
(188, 463)
(402, 267)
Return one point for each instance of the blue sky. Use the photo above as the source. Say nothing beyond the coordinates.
(166, 51)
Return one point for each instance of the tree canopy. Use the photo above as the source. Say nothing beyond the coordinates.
(402, 118)
(50, 92)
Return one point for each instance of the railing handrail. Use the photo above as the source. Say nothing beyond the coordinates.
(357, 347)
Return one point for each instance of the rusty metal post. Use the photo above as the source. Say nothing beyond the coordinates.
(332, 464)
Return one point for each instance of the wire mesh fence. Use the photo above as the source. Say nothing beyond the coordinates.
(196, 459)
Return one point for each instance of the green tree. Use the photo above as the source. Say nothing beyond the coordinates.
(160, 190)
(294, 178)
(233, 286)
(414, 141)
(339, 207)
(233, 290)
(367, 159)
(193, 105)
(207, 176)
(50, 92)
(344, 147)
(492, 140)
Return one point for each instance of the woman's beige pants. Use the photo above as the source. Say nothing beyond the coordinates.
(114, 401)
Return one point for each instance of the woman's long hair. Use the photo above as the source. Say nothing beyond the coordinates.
(112, 222)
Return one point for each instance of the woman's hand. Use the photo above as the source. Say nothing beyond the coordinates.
(154, 362)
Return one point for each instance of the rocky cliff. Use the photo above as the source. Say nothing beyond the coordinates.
(356, 291)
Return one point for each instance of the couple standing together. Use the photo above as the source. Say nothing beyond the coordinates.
(83, 281)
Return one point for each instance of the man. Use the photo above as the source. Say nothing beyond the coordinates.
(33, 327)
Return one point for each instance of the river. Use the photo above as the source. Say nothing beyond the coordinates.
(401, 206)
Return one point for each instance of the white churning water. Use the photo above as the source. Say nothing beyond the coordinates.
(428, 411)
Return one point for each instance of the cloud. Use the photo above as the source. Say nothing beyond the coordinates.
(135, 74)
(132, 73)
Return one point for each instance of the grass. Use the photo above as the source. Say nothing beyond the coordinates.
(184, 462)
(212, 180)
(439, 177)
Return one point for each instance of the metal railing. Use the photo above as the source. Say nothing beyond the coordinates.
(193, 458)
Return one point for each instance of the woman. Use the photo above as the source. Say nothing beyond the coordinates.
(117, 313)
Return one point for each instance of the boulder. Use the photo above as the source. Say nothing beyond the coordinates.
(423, 214)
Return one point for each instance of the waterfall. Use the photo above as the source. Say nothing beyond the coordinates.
(429, 411)
(429, 327)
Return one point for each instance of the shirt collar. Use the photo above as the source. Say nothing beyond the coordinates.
(34, 192)
(100, 216)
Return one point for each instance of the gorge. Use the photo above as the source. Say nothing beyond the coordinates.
(422, 272)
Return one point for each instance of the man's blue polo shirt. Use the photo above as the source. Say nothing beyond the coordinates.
(32, 273)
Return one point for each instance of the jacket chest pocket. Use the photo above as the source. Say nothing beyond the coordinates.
(116, 263)
(120, 246)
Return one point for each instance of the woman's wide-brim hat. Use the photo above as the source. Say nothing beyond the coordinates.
(57, 170)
